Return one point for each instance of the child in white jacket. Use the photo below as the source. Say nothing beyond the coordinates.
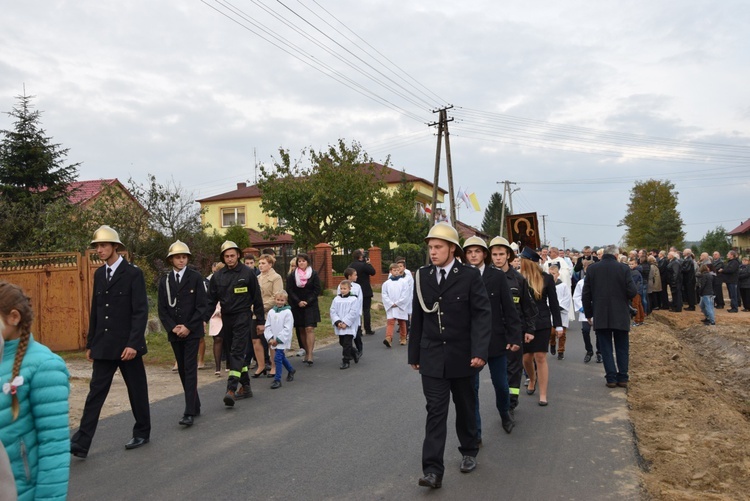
(350, 274)
(278, 333)
(396, 293)
(345, 310)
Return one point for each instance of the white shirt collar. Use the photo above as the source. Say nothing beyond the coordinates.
(115, 265)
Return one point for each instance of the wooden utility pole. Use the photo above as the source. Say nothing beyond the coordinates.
(442, 124)
(507, 199)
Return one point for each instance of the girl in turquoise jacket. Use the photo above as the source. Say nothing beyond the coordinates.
(33, 404)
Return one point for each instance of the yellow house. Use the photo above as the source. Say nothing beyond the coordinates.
(242, 206)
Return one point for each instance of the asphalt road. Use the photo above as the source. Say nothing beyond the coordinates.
(357, 434)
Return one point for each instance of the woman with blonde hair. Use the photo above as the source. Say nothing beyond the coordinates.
(33, 404)
(271, 284)
(545, 296)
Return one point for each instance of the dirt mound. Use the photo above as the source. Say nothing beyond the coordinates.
(689, 404)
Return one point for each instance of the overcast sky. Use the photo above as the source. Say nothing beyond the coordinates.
(573, 101)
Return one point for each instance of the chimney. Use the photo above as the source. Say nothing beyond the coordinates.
(241, 185)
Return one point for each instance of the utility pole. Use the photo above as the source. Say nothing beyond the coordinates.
(564, 239)
(544, 229)
(507, 196)
(442, 124)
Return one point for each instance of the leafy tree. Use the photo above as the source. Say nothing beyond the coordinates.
(652, 219)
(493, 215)
(716, 240)
(33, 176)
(341, 199)
(237, 234)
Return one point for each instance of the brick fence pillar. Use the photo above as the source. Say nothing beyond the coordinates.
(323, 264)
(376, 260)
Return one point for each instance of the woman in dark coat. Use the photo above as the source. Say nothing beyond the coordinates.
(303, 287)
(543, 290)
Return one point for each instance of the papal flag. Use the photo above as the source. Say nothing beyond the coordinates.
(474, 202)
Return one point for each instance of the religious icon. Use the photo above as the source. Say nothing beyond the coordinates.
(523, 229)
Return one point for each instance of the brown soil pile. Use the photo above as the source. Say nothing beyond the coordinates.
(689, 401)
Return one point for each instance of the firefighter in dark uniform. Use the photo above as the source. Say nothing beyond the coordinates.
(450, 336)
(506, 329)
(502, 255)
(236, 288)
(182, 307)
(116, 340)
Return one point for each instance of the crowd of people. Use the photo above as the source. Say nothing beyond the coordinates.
(477, 303)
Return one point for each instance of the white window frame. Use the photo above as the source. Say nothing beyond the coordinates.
(236, 212)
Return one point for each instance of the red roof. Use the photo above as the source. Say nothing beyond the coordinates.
(467, 231)
(257, 240)
(243, 191)
(84, 191)
(743, 228)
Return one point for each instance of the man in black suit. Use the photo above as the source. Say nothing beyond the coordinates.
(448, 345)
(364, 271)
(116, 340)
(182, 306)
(506, 329)
(607, 294)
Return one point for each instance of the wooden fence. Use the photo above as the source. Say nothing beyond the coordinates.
(60, 287)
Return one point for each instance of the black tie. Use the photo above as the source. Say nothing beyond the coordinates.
(109, 273)
(442, 276)
(177, 278)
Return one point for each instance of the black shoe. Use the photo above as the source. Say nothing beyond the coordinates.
(468, 464)
(355, 356)
(290, 376)
(732, 310)
(587, 358)
(229, 398)
(344, 365)
(552, 349)
(431, 480)
(186, 420)
(371, 333)
(508, 423)
(690, 308)
(136, 442)
(259, 374)
(78, 451)
(561, 356)
(243, 392)
(276, 384)
(598, 358)
(531, 391)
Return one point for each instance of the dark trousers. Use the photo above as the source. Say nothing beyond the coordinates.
(718, 292)
(237, 336)
(514, 361)
(366, 305)
(134, 374)
(734, 296)
(186, 354)
(345, 340)
(499, 375)
(745, 295)
(654, 299)
(689, 292)
(664, 298)
(358, 340)
(586, 331)
(676, 291)
(616, 370)
(437, 392)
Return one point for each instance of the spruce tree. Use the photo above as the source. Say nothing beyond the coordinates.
(492, 215)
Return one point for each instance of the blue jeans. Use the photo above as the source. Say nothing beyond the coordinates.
(644, 298)
(707, 307)
(734, 296)
(615, 372)
(280, 360)
(499, 375)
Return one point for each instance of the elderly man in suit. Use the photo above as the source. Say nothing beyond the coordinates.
(607, 293)
(448, 345)
(116, 340)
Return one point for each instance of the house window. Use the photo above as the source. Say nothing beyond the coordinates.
(232, 216)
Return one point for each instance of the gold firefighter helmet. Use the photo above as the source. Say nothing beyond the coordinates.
(504, 243)
(475, 240)
(178, 248)
(105, 234)
(446, 232)
(229, 245)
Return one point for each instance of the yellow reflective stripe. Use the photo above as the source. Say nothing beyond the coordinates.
(234, 373)
(515, 391)
(244, 369)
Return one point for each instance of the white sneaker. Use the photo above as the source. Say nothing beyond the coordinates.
(301, 352)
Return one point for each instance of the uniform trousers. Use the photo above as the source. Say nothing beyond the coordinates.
(499, 375)
(437, 392)
(366, 310)
(134, 374)
(515, 374)
(186, 354)
(237, 336)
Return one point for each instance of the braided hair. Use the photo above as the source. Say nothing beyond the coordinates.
(13, 298)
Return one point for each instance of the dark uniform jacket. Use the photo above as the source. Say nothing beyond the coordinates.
(444, 342)
(237, 290)
(525, 305)
(190, 304)
(119, 313)
(364, 271)
(607, 293)
(506, 323)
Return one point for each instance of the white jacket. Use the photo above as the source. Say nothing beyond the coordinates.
(577, 302)
(279, 325)
(345, 309)
(397, 296)
(355, 291)
(563, 297)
